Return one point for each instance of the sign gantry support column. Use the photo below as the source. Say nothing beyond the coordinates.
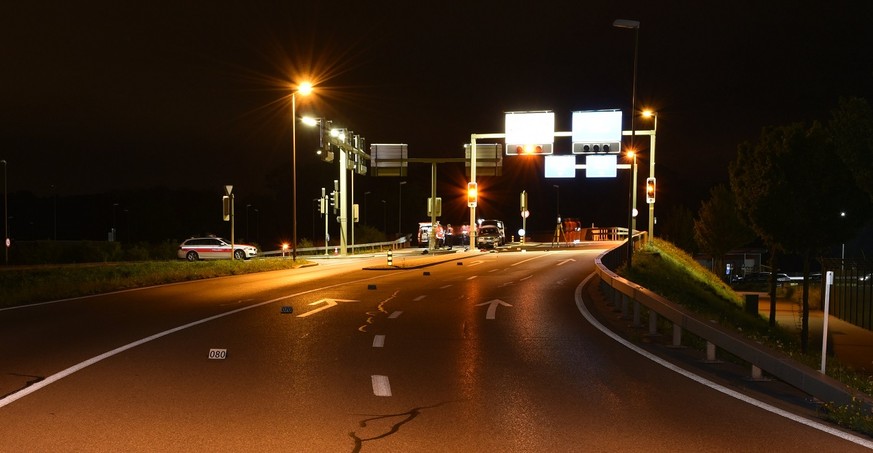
(473, 137)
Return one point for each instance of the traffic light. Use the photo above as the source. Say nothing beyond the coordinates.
(596, 148)
(650, 190)
(322, 202)
(529, 149)
(472, 194)
(335, 196)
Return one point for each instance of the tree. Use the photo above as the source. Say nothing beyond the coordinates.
(851, 128)
(718, 228)
(678, 228)
(791, 188)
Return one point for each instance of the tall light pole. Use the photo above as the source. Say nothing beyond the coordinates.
(385, 216)
(400, 208)
(635, 26)
(630, 211)
(654, 116)
(365, 206)
(557, 202)
(304, 89)
(248, 236)
(5, 214)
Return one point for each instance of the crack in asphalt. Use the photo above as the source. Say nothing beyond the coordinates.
(26, 384)
(408, 416)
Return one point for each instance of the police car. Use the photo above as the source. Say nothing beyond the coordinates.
(213, 248)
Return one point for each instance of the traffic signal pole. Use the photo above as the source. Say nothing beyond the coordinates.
(473, 137)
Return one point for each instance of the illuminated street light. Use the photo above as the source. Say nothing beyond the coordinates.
(654, 115)
(5, 214)
(304, 89)
(400, 208)
(635, 26)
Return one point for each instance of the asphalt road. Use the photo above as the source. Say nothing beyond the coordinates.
(487, 353)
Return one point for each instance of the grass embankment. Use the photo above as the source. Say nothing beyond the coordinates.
(673, 274)
(39, 284)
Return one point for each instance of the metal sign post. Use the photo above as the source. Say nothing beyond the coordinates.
(829, 281)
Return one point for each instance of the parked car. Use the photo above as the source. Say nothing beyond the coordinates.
(212, 248)
(488, 237)
(764, 278)
(496, 224)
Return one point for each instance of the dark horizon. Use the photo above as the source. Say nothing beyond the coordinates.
(105, 98)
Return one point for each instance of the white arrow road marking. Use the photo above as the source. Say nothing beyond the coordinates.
(475, 263)
(327, 304)
(566, 261)
(492, 307)
(381, 386)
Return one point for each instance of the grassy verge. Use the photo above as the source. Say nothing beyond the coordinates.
(39, 284)
(672, 273)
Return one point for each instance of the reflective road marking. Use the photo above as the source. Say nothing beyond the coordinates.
(381, 386)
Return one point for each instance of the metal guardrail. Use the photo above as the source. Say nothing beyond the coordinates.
(633, 297)
(399, 243)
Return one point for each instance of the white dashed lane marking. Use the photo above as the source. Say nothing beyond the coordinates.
(381, 386)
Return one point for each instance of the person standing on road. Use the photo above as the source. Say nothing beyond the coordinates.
(448, 236)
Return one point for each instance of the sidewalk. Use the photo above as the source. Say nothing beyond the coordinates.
(851, 344)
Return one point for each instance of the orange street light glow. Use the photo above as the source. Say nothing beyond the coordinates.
(304, 88)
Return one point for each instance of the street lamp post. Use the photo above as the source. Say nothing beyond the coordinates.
(5, 214)
(631, 200)
(400, 208)
(385, 216)
(654, 116)
(248, 236)
(304, 88)
(557, 202)
(365, 206)
(634, 25)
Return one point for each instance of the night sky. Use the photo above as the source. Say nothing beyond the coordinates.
(102, 96)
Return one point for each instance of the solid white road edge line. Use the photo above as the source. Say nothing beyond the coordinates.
(8, 399)
(580, 304)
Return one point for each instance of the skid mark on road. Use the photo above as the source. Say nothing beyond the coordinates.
(371, 315)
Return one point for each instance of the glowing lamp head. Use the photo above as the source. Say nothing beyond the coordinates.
(304, 88)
